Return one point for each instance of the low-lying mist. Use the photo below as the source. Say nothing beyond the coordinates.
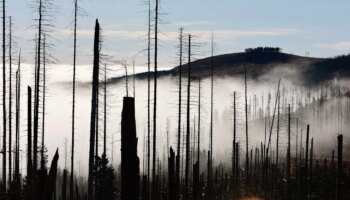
(325, 107)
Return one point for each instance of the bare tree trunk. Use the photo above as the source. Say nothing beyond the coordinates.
(29, 142)
(71, 185)
(18, 109)
(234, 138)
(246, 123)
(179, 119)
(188, 119)
(210, 170)
(37, 89)
(130, 161)
(155, 101)
(340, 168)
(4, 125)
(95, 81)
(288, 158)
(149, 100)
(199, 124)
(171, 175)
(10, 100)
(43, 111)
(105, 112)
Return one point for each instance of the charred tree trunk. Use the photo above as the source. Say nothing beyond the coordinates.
(71, 185)
(105, 112)
(42, 164)
(4, 125)
(129, 160)
(234, 169)
(37, 95)
(148, 102)
(187, 165)
(179, 121)
(306, 165)
(171, 175)
(29, 142)
(210, 172)
(154, 192)
(18, 108)
(246, 124)
(50, 183)
(64, 185)
(10, 101)
(95, 80)
(340, 168)
(288, 158)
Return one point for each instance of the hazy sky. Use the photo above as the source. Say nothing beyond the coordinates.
(298, 26)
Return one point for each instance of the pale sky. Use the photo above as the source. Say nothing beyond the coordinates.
(298, 26)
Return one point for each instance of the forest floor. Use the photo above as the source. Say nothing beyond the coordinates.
(250, 198)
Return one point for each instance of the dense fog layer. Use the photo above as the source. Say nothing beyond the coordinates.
(325, 107)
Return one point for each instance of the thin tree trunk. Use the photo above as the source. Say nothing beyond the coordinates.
(188, 119)
(210, 172)
(288, 158)
(179, 120)
(71, 185)
(246, 123)
(149, 100)
(199, 124)
(340, 168)
(155, 101)
(95, 81)
(4, 125)
(29, 141)
(18, 109)
(105, 112)
(10, 100)
(37, 89)
(43, 111)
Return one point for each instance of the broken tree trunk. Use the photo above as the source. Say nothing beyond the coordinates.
(129, 160)
(50, 183)
(95, 80)
(171, 175)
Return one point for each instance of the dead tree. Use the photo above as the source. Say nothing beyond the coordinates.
(10, 100)
(129, 160)
(4, 125)
(340, 168)
(288, 158)
(154, 192)
(179, 117)
(37, 88)
(29, 141)
(42, 163)
(171, 175)
(278, 130)
(306, 164)
(210, 170)
(105, 111)
(234, 167)
(199, 123)
(246, 123)
(50, 183)
(148, 100)
(71, 185)
(188, 119)
(64, 185)
(18, 108)
(95, 80)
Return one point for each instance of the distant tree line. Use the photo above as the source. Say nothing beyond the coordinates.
(264, 50)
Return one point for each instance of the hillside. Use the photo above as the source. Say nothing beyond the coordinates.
(313, 70)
